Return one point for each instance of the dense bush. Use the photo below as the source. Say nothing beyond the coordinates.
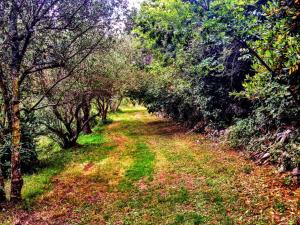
(219, 64)
(195, 69)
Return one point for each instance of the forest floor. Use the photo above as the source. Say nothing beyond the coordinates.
(141, 169)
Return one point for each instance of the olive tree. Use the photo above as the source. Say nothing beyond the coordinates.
(37, 36)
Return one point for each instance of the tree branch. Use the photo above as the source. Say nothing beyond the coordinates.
(61, 79)
(255, 54)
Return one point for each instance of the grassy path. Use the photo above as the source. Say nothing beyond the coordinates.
(145, 170)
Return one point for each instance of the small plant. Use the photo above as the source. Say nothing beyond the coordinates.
(180, 196)
(198, 219)
(27, 204)
(179, 219)
(193, 218)
(247, 169)
(280, 206)
(106, 122)
(242, 132)
(288, 180)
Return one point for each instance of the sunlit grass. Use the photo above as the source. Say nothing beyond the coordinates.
(142, 166)
(91, 139)
(143, 175)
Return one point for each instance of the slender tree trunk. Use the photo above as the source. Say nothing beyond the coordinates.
(86, 116)
(104, 117)
(104, 112)
(2, 189)
(119, 103)
(115, 105)
(16, 175)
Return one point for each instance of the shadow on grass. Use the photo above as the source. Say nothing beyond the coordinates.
(36, 184)
(90, 148)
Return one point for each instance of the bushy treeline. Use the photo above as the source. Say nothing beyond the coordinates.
(225, 65)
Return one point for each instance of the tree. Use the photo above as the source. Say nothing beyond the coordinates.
(107, 76)
(98, 81)
(64, 122)
(199, 62)
(38, 36)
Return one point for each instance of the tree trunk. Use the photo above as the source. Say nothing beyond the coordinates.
(67, 144)
(119, 103)
(105, 112)
(115, 105)
(86, 117)
(16, 175)
(104, 117)
(2, 189)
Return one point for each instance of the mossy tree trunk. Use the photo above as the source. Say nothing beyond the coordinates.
(16, 176)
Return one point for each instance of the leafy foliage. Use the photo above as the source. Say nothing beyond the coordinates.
(215, 64)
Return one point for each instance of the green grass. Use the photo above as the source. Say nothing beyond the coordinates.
(91, 139)
(143, 163)
(129, 172)
(141, 167)
(190, 218)
(36, 184)
(90, 153)
(53, 161)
